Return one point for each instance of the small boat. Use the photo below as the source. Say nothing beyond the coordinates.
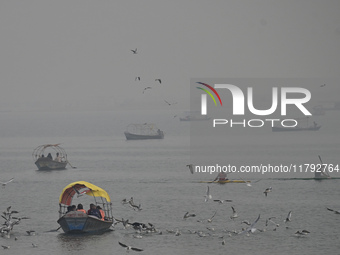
(322, 172)
(143, 132)
(194, 116)
(47, 162)
(314, 127)
(226, 181)
(80, 222)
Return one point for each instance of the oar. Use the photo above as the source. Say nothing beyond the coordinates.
(70, 164)
(54, 230)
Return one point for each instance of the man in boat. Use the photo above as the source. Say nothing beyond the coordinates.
(94, 211)
(102, 214)
(80, 208)
(222, 176)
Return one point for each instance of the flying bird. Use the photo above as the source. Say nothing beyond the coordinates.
(210, 220)
(146, 89)
(323, 85)
(234, 214)
(332, 210)
(222, 201)
(191, 168)
(159, 80)
(207, 196)
(288, 217)
(267, 190)
(251, 227)
(301, 233)
(187, 215)
(6, 182)
(128, 248)
(137, 78)
(169, 103)
(134, 51)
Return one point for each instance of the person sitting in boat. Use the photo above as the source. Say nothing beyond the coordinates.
(49, 156)
(315, 124)
(57, 158)
(102, 214)
(94, 211)
(80, 208)
(222, 176)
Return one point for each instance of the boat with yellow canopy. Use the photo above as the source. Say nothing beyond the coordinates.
(78, 221)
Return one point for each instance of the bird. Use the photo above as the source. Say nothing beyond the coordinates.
(288, 217)
(332, 210)
(246, 222)
(146, 89)
(134, 51)
(251, 227)
(128, 248)
(323, 85)
(301, 233)
(191, 168)
(234, 214)
(6, 247)
(270, 220)
(30, 232)
(137, 78)
(6, 182)
(267, 190)
(159, 80)
(210, 220)
(34, 245)
(222, 201)
(207, 196)
(169, 103)
(187, 215)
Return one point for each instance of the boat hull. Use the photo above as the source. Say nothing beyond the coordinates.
(226, 181)
(48, 164)
(281, 129)
(79, 222)
(130, 136)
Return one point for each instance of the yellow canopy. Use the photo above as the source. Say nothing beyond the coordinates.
(80, 188)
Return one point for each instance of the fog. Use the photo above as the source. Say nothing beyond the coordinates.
(76, 55)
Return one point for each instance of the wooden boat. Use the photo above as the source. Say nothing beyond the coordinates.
(80, 222)
(143, 132)
(226, 181)
(299, 127)
(47, 162)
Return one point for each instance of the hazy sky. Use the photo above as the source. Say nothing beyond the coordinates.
(76, 55)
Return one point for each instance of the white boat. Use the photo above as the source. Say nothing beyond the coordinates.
(143, 132)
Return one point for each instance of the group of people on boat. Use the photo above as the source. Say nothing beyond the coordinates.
(94, 210)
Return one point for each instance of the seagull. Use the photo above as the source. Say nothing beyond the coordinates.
(207, 196)
(5, 183)
(128, 248)
(137, 78)
(34, 245)
(191, 168)
(169, 103)
(146, 89)
(30, 232)
(246, 222)
(288, 217)
(323, 85)
(159, 80)
(336, 212)
(222, 201)
(251, 227)
(187, 215)
(125, 201)
(270, 220)
(267, 190)
(134, 51)
(301, 233)
(6, 247)
(210, 220)
(234, 214)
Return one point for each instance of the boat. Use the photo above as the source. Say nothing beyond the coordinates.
(226, 181)
(321, 172)
(143, 132)
(299, 127)
(194, 116)
(80, 222)
(44, 162)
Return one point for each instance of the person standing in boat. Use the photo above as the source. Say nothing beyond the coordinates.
(222, 176)
(57, 158)
(49, 156)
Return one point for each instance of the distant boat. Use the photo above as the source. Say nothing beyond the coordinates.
(46, 162)
(143, 132)
(226, 181)
(299, 127)
(78, 221)
(322, 171)
(194, 116)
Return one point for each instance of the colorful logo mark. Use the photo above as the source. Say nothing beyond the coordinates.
(209, 93)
